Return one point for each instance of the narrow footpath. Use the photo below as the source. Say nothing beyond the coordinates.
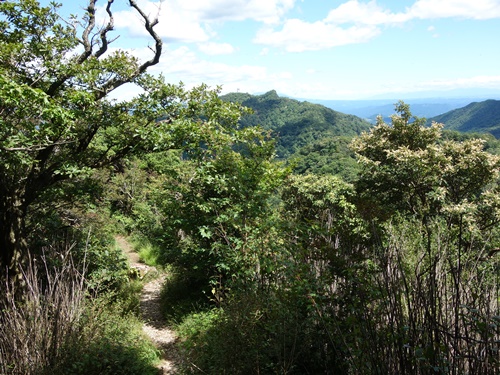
(154, 325)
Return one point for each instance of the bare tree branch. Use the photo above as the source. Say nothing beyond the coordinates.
(88, 43)
(87, 48)
(149, 25)
(103, 34)
(36, 147)
(158, 42)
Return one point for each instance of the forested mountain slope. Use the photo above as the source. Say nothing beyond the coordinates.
(296, 123)
(483, 117)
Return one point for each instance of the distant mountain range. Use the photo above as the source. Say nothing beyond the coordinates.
(292, 117)
(370, 109)
(315, 139)
(461, 114)
(477, 117)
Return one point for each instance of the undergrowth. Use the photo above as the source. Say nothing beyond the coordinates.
(149, 253)
(60, 326)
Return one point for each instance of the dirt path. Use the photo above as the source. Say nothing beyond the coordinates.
(154, 326)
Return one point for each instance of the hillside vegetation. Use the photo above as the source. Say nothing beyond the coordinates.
(478, 117)
(275, 265)
(296, 124)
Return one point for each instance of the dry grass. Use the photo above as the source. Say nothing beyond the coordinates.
(34, 329)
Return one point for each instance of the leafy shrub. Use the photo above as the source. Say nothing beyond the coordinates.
(181, 296)
(265, 333)
(109, 343)
(149, 252)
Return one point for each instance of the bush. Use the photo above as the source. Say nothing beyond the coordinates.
(263, 333)
(181, 296)
(109, 343)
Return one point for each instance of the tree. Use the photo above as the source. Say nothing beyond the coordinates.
(436, 251)
(57, 120)
(407, 167)
(216, 207)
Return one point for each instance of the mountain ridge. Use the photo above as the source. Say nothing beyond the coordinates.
(479, 117)
(296, 123)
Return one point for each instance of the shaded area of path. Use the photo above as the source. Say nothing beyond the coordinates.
(154, 325)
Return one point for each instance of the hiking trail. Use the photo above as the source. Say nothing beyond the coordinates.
(154, 326)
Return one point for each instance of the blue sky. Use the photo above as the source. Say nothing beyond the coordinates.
(320, 49)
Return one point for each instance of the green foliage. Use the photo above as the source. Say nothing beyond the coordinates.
(296, 124)
(61, 327)
(331, 269)
(482, 117)
(491, 144)
(433, 288)
(432, 195)
(311, 277)
(270, 272)
(322, 199)
(194, 328)
(58, 124)
(213, 207)
(407, 168)
(183, 295)
(148, 252)
(110, 342)
(258, 334)
(327, 156)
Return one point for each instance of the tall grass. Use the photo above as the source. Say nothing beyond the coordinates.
(59, 327)
(33, 330)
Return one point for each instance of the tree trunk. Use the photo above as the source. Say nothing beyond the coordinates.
(13, 251)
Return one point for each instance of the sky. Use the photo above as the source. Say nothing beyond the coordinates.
(319, 49)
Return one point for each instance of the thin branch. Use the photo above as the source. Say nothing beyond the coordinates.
(149, 25)
(158, 42)
(36, 147)
(87, 49)
(87, 45)
(103, 34)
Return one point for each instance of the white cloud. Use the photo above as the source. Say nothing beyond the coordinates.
(432, 30)
(357, 22)
(477, 9)
(299, 36)
(267, 11)
(175, 24)
(189, 21)
(364, 13)
(182, 64)
(350, 23)
(212, 48)
(353, 21)
(371, 13)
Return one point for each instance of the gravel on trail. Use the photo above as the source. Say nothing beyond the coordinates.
(154, 325)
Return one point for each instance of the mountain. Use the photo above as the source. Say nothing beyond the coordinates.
(370, 109)
(296, 123)
(479, 117)
(479, 93)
